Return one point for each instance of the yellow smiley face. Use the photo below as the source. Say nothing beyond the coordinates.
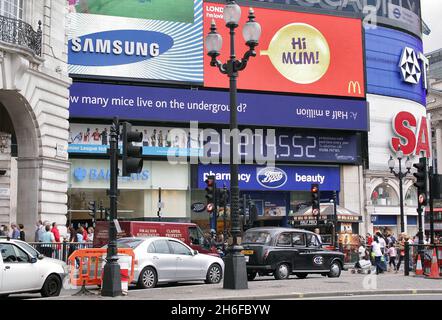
(300, 53)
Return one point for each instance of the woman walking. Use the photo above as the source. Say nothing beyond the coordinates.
(392, 253)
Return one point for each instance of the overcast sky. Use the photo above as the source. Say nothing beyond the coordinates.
(432, 15)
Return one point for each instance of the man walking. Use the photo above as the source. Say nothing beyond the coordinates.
(47, 238)
(15, 232)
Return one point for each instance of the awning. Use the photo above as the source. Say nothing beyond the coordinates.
(327, 213)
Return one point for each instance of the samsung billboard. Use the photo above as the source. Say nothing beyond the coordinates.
(137, 39)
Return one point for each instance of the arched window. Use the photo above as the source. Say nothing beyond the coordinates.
(384, 195)
(12, 9)
(411, 197)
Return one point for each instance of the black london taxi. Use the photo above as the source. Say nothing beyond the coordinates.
(285, 251)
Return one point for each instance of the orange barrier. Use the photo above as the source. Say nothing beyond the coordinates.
(434, 273)
(419, 271)
(85, 268)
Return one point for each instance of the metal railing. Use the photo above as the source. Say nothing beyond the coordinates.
(59, 250)
(20, 33)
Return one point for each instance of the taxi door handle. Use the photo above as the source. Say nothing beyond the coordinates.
(178, 258)
(155, 258)
(7, 267)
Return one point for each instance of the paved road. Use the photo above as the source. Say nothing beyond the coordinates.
(268, 288)
(382, 297)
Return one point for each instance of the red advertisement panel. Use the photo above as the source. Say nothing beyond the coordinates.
(297, 53)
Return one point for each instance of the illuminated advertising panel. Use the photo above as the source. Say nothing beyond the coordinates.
(136, 39)
(297, 53)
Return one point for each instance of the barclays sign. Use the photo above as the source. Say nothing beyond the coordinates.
(101, 174)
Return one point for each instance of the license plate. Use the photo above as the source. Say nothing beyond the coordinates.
(246, 258)
(247, 252)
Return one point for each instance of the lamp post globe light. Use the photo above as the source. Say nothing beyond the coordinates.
(235, 275)
(400, 175)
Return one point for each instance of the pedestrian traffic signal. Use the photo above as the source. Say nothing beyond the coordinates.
(132, 161)
(210, 193)
(92, 208)
(315, 199)
(421, 180)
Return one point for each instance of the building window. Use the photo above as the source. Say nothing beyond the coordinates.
(384, 195)
(411, 197)
(12, 9)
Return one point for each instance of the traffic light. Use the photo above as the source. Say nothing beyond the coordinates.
(210, 193)
(421, 180)
(315, 199)
(93, 208)
(132, 161)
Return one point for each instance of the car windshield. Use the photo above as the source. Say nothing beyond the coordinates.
(30, 249)
(127, 243)
(260, 237)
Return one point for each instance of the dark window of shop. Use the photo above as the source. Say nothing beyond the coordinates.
(384, 195)
(161, 246)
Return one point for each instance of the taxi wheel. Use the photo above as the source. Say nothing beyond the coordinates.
(148, 278)
(214, 274)
(301, 275)
(52, 286)
(251, 275)
(335, 270)
(282, 271)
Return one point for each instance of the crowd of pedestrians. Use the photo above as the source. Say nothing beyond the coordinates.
(50, 237)
(385, 251)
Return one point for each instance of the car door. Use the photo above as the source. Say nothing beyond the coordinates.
(163, 260)
(312, 253)
(188, 265)
(19, 274)
(298, 248)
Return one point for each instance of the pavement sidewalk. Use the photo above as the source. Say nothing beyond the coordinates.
(268, 288)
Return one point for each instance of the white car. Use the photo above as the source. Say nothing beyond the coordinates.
(162, 259)
(24, 269)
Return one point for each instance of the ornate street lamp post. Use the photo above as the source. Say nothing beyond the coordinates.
(400, 175)
(235, 276)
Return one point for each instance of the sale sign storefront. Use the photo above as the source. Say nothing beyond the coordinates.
(297, 53)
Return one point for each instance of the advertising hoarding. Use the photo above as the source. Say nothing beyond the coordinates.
(140, 39)
(89, 100)
(385, 49)
(163, 141)
(297, 53)
(279, 178)
(402, 14)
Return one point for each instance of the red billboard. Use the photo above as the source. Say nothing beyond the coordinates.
(297, 53)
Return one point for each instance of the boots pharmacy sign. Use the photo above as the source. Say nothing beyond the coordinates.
(297, 53)
(136, 39)
(412, 134)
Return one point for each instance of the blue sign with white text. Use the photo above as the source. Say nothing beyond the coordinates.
(88, 100)
(279, 178)
(385, 49)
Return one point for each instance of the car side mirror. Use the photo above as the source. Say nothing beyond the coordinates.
(33, 260)
(195, 252)
(40, 256)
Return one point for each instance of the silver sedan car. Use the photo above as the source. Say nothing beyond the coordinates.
(162, 260)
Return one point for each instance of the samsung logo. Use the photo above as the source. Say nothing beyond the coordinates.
(271, 178)
(117, 47)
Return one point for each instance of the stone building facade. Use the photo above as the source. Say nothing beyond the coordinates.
(34, 91)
